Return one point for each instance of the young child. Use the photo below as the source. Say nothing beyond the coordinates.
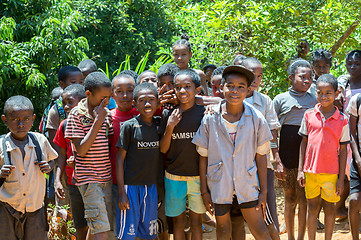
(87, 66)
(165, 78)
(148, 76)
(290, 107)
(55, 94)
(321, 60)
(232, 166)
(71, 96)
(182, 52)
(325, 134)
(139, 166)
(216, 82)
(208, 70)
(22, 214)
(264, 104)
(182, 175)
(89, 126)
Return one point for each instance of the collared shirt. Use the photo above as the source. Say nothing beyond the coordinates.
(24, 188)
(232, 166)
(291, 105)
(353, 111)
(324, 137)
(264, 104)
(95, 166)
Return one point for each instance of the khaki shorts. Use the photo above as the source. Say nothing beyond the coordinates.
(97, 198)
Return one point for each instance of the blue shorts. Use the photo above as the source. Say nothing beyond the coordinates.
(140, 220)
(178, 190)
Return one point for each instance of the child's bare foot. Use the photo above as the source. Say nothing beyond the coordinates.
(341, 214)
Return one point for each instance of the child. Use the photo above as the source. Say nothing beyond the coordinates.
(55, 94)
(89, 126)
(208, 70)
(238, 59)
(325, 134)
(353, 109)
(182, 52)
(139, 165)
(71, 96)
(182, 175)
(216, 80)
(148, 76)
(165, 78)
(290, 107)
(264, 104)
(87, 66)
(232, 166)
(321, 64)
(22, 214)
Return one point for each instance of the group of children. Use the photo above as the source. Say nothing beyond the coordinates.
(144, 156)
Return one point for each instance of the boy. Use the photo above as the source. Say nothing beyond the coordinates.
(216, 80)
(182, 175)
(22, 214)
(290, 107)
(148, 76)
(89, 126)
(87, 66)
(71, 96)
(139, 165)
(232, 166)
(325, 134)
(321, 60)
(264, 104)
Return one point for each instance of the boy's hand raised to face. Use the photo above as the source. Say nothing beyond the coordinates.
(44, 166)
(123, 202)
(5, 170)
(174, 118)
(99, 112)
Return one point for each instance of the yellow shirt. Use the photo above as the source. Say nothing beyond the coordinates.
(24, 188)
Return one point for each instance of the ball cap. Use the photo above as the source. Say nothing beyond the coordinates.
(239, 69)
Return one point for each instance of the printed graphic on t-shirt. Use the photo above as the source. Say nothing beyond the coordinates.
(183, 135)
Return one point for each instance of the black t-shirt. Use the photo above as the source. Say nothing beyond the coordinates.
(143, 164)
(182, 156)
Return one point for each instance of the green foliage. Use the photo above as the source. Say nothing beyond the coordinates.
(37, 39)
(115, 29)
(268, 30)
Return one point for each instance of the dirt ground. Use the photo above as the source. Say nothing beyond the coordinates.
(341, 231)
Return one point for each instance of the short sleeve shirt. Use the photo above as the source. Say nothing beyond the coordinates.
(24, 189)
(142, 163)
(95, 166)
(53, 120)
(354, 112)
(324, 137)
(119, 118)
(65, 143)
(182, 156)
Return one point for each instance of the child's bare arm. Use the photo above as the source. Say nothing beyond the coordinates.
(82, 145)
(173, 120)
(59, 173)
(342, 158)
(203, 163)
(301, 175)
(354, 140)
(261, 163)
(123, 201)
(280, 170)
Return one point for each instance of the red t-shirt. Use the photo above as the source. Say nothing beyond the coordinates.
(118, 119)
(63, 142)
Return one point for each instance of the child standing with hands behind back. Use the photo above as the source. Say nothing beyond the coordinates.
(325, 134)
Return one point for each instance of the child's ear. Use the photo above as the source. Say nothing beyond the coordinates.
(134, 102)
(221, 87)
(62, 84)
(34, 115)
(198, 89)
(291, 78)
(87, 93)
(3, 118)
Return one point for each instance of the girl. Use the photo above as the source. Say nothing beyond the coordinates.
(182, 52)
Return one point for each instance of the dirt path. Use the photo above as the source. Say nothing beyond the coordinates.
(341, 231)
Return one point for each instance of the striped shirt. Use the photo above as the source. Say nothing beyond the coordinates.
(95, 166)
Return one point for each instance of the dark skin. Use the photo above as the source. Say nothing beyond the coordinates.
(19, 122)
(326, 95)
(235, 90)
(185, 91)
(146, 102)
